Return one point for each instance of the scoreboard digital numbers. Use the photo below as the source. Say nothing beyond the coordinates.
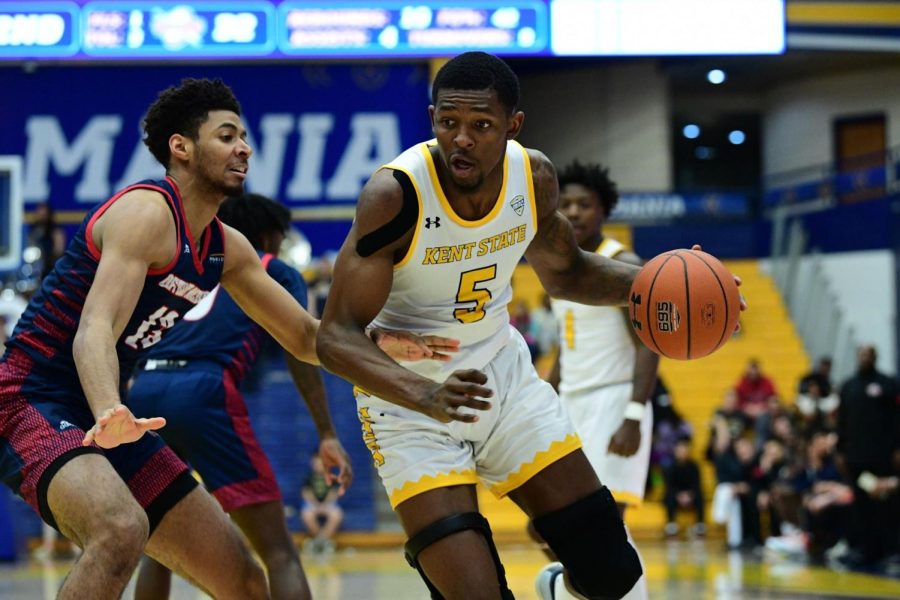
(101, 30)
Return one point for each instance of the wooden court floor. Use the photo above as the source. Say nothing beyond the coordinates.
(676, 570)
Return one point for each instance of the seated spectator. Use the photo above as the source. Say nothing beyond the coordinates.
(820, 375)
(733, 502)
(755, 391)
(320, 513)
(771, 467)
(669, 428)
(520, 318)
(815, 409)
(544, 327)
(683, 490)
(734, 423)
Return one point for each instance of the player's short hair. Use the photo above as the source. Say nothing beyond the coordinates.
(595, 178)
(255, 216)
(479, 71)
(183, 109)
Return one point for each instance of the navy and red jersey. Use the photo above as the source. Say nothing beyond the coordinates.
(218, 330)
(47, 327)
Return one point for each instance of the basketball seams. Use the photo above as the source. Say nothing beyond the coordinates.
(724, 300)
(649, 296)
(687, 300)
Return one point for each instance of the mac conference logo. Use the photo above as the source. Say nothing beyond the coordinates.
(518, 204)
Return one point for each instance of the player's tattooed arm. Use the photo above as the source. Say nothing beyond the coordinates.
(565, 270)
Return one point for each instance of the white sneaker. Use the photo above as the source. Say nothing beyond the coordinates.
(545, 584)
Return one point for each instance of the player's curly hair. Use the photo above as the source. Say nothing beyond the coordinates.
(479, 71)
(183, 109)
(594, 177)
(256, 216)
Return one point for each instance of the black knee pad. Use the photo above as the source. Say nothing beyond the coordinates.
(589, 538)
(447, 526)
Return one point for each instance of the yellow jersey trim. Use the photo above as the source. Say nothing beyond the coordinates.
(530, 179)
(541, 461)
(412, 245)
(442, 198)
(426, 483)
(603, 244)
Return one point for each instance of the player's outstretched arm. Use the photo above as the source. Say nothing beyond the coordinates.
(564, 269)
(135, 233)
(265, 300)
(363, 275)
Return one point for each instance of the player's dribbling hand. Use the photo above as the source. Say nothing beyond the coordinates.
(738, 282)
(403, 345)
(334, 457)
(117, 425)
(461, 389)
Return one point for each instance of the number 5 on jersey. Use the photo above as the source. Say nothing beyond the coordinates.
(469, 293)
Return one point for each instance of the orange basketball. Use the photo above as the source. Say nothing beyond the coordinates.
(684, 304)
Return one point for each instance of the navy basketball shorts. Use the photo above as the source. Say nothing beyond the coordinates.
(207, 424)
(42, 423)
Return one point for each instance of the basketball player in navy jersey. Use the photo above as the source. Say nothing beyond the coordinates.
(137, 264)
(437, 236)
(193, 376)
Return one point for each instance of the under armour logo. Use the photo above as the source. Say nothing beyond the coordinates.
(429, 222)
(187, 249)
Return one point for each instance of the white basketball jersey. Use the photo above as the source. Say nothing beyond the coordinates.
(455, 278)
(596, 348)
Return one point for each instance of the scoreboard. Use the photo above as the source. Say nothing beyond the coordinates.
(100, 30)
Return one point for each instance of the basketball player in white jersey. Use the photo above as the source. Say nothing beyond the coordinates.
(604, 375)
(437, 235)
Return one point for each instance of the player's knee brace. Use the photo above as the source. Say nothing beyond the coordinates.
(448, 526)
(589, 538)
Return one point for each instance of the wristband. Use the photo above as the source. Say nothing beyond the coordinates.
(634, 411)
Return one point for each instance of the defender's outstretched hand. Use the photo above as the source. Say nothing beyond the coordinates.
(334, 457)
(403, 345)
(118, 426)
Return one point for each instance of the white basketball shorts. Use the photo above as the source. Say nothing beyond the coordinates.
(525, 430)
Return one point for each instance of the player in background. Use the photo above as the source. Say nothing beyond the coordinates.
(193, 376)
(137, 264)
(604, 374)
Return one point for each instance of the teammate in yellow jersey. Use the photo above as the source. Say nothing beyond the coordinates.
(485, 414)
(604, 375)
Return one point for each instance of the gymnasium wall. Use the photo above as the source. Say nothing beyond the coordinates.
(797, 118)
(863, 285)
(617, 115)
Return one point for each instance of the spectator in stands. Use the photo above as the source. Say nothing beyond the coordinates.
(728, 420)
(669, 428)
(755, 391)
(683, 489)
(47, 236)
(320, 285)
(769, 470)
(869, 456)
(816, 410)
(545, 327)
(320, 513)
(520, 318)
(820, 375)
(733, 504)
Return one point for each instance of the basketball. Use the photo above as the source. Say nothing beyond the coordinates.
(684, 304)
